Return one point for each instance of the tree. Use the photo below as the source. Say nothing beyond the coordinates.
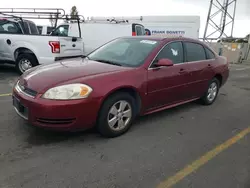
(73, 13)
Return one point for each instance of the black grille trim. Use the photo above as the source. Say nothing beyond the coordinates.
(55, 121)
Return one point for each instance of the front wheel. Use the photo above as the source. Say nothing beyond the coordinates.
(25, 62)
(116, 115)
(212, 92)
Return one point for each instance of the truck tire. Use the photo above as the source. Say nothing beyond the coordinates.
(25, 62)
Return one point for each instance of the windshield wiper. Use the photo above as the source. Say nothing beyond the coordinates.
(84, 56)
(107, 61)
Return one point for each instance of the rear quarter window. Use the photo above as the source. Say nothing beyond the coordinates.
(194, 52)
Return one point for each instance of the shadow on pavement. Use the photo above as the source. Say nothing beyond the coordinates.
(158, 116)
(37, 136)
(7, 70)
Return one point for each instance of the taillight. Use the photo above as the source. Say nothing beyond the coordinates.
(55, 46)
(133, 33)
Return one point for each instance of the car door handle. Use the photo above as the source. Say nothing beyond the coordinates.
(209, 65)
(182, 71)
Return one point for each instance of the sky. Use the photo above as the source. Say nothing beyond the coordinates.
(140, 8)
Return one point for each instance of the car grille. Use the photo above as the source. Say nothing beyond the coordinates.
(25, 90)
(55, 121)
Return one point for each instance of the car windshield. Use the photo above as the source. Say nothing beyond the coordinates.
(130, 52)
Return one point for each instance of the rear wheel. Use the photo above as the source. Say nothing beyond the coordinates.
(25, 62)
(212, 92)
(116, 115)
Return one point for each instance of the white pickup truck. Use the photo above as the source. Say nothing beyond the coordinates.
(21, 44)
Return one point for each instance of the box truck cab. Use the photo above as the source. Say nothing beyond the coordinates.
(98, 31)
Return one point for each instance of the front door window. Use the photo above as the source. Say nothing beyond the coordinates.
(172, 51)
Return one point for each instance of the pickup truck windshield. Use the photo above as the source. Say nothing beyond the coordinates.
(7, 26)
(130, 52)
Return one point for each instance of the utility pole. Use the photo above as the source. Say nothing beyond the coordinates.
(220, 20)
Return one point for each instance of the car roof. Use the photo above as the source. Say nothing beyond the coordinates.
(164, 38)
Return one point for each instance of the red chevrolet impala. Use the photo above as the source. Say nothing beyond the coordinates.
(122, 79)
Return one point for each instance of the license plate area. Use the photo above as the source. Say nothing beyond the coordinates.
(20, 108)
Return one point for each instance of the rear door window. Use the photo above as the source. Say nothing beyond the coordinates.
(194, 52)
(9, 27)
(26, 27)
(33, 29)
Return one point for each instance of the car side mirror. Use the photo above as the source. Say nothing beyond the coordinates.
(164, 62)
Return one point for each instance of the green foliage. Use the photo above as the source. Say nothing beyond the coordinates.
(74, 12)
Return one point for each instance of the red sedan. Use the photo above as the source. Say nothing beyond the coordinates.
(122, 79)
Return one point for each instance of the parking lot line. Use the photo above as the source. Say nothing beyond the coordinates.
(6, 94)
(202, 160)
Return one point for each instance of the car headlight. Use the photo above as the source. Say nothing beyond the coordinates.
(67, 92)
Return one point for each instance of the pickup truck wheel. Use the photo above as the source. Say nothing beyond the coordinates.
(116, 115)
(25, 62)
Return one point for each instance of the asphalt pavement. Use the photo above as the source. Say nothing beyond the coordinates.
(157, 148)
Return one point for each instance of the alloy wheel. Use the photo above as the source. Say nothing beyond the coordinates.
(120, 115)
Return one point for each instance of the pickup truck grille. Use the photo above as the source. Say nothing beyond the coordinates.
(25, 90)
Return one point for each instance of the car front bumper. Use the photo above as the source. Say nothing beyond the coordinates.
(55, 114)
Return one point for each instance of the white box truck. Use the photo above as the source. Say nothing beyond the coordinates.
(184, 26)
(98, 31)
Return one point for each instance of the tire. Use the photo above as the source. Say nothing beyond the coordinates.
(113, 102)
(206, 100)
(30, 59)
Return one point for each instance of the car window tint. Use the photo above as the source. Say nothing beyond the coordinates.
(9, 27)
(173, 51)
(195, 52)
(210, 54)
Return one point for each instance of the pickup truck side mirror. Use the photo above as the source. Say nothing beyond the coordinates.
(74, 39)
(164, 63)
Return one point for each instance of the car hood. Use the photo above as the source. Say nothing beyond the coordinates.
(42, 77)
